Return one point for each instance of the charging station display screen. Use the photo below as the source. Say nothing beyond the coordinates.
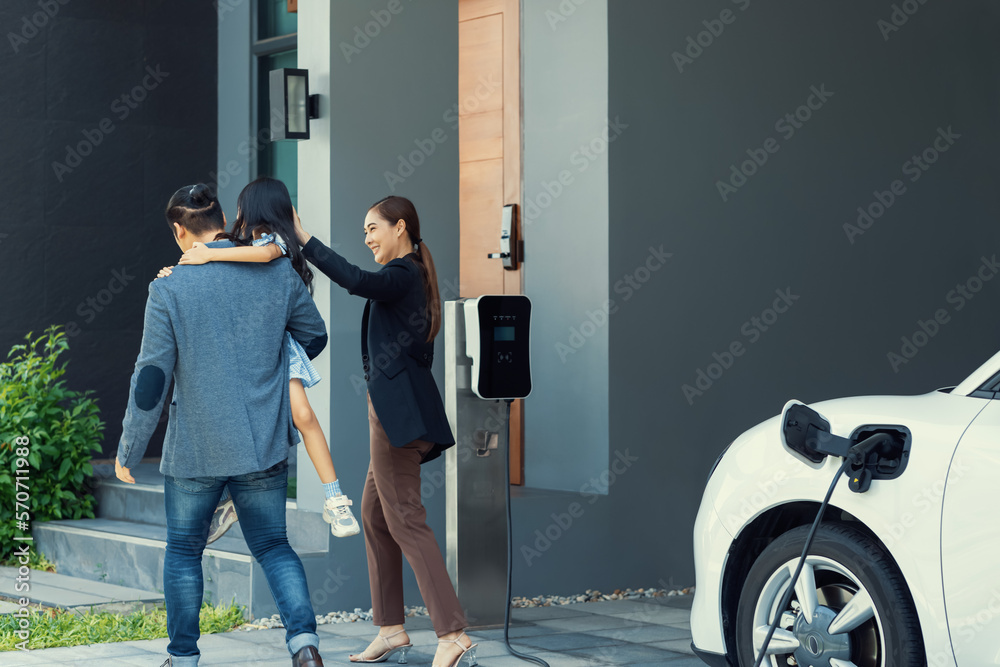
(503, 333)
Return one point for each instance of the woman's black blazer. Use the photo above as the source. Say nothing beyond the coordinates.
(395, 356)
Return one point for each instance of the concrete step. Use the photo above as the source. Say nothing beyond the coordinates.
(125, 545)
(130, 555)
(142, 503)
(72, 593)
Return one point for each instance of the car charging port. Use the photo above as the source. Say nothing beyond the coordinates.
(888, 459)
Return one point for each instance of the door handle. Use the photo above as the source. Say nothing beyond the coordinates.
(511, 248)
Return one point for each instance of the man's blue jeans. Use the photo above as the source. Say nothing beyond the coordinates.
(260, 504)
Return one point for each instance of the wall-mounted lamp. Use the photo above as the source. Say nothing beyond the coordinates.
(292, 103)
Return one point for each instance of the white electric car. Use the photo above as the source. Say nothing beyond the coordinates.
(903, 573)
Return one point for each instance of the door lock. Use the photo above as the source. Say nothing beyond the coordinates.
(511, 248)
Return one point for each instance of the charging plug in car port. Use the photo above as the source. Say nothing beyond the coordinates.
(875, 452)
(886, 460)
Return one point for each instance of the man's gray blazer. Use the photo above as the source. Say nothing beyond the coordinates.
(218, 329)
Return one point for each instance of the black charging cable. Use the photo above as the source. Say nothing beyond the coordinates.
(510, 552)
(857, 455)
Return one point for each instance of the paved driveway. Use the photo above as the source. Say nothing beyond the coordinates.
(629, 632)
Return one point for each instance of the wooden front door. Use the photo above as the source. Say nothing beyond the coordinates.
(489, 136)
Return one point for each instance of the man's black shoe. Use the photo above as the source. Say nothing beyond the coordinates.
(308, 656)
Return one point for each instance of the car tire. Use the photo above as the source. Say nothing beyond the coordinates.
(844, 568)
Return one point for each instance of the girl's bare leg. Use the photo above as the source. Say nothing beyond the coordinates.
(312, 435)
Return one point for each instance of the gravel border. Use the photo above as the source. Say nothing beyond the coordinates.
(519, 602)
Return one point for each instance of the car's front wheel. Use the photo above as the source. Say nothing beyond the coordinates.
(851, 606)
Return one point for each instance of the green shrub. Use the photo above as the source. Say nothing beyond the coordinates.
(36, 561)
(54, 428)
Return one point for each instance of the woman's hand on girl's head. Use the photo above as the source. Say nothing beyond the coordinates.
(301, 234)
(198, 254)
(164, 272)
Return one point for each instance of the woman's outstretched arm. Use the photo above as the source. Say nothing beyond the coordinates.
(389, 284)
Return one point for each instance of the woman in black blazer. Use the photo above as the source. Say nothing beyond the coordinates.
(407, 424)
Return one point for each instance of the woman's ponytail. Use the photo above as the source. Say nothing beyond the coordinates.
(429, 274)
(394, 208)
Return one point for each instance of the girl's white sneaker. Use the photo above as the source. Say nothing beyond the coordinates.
(222, 520)
(337, 513)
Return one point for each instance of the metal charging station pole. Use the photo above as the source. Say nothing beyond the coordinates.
(476, 502)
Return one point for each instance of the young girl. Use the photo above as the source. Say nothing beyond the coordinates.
(265, 217)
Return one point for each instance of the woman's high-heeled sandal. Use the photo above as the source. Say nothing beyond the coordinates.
(468, 654)
(402, 649)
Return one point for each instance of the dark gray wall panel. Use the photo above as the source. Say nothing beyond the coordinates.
(84, 88)
(783, 229)
(22, 62)
(93, 167)
(180, 79)
(104, 297)
(65, 239)
(22, 182)
(111, 10)
(21, 299)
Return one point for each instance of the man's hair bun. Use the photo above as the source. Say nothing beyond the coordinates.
(201, 196)
(195, 208)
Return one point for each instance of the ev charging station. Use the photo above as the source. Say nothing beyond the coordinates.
(486, 363)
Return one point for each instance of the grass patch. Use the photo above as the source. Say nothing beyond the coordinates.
(54, 627)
